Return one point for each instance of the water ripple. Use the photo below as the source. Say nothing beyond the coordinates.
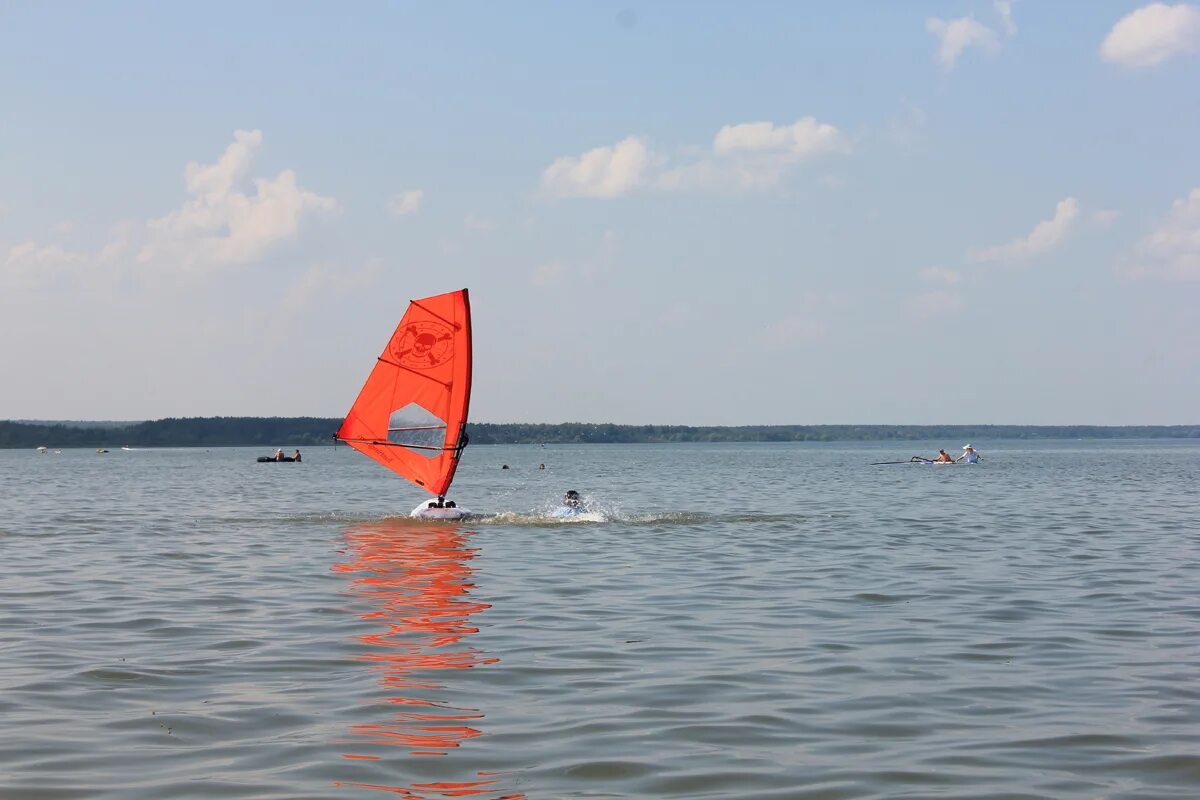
(184, 626)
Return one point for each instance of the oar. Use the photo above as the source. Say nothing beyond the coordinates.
(913, 460)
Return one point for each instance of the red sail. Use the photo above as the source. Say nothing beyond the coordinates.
(411, 412)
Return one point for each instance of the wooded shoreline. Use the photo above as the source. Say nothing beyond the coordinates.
(312, 431)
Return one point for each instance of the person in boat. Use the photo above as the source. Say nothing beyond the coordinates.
(279, 454)
(969, 455)
(296, 456)
(943, 458)
(572, 499)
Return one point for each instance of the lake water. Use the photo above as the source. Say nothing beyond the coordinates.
(747, 621)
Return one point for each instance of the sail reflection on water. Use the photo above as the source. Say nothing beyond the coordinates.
(417, 578)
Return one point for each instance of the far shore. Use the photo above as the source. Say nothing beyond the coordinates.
(272, 432)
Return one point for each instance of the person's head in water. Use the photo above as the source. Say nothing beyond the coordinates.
(571, 498)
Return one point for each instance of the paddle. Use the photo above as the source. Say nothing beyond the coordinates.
(913, 460)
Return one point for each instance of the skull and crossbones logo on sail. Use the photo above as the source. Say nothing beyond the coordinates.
(424, 345)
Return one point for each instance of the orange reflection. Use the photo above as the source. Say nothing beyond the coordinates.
(417, 577)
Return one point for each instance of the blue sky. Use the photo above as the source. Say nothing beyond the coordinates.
(698, 213)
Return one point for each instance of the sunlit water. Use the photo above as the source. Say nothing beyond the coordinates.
(732, 621)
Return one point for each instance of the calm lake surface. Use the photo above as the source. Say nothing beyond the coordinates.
(746, 621)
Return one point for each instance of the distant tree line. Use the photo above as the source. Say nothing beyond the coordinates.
(187, 432)
(581, 432)
(309, 431)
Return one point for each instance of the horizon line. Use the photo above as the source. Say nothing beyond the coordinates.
(32, 421)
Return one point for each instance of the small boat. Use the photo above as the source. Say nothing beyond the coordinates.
(101, 450)
(923, 461)
(43, 450)
(411, 414)
(274, 460)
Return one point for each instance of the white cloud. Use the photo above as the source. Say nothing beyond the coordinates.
(30, 262)
(754, 155)
(548, 275)
(31, 255)
(907, 126)
(221, 225)
(678, 313)
(318, 284)
(1172, 250)
(803, 138)
(940, 275)
(796, 330)
(601, 172)
(750, 155)
(956, 35)
(1152, 34)
(120, 243)
(939, 301)
(407, 202)
(476, 223)
(219, 179)
(1004, 9)
(322, 281)
(1044, 236)
(1104, 217)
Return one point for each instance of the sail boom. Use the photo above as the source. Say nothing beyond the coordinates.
(386, 443)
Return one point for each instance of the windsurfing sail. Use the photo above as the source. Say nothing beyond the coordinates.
(411, 414)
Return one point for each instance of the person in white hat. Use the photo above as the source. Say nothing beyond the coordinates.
(969, 455)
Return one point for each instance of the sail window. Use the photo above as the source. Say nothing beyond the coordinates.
(417, 430)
